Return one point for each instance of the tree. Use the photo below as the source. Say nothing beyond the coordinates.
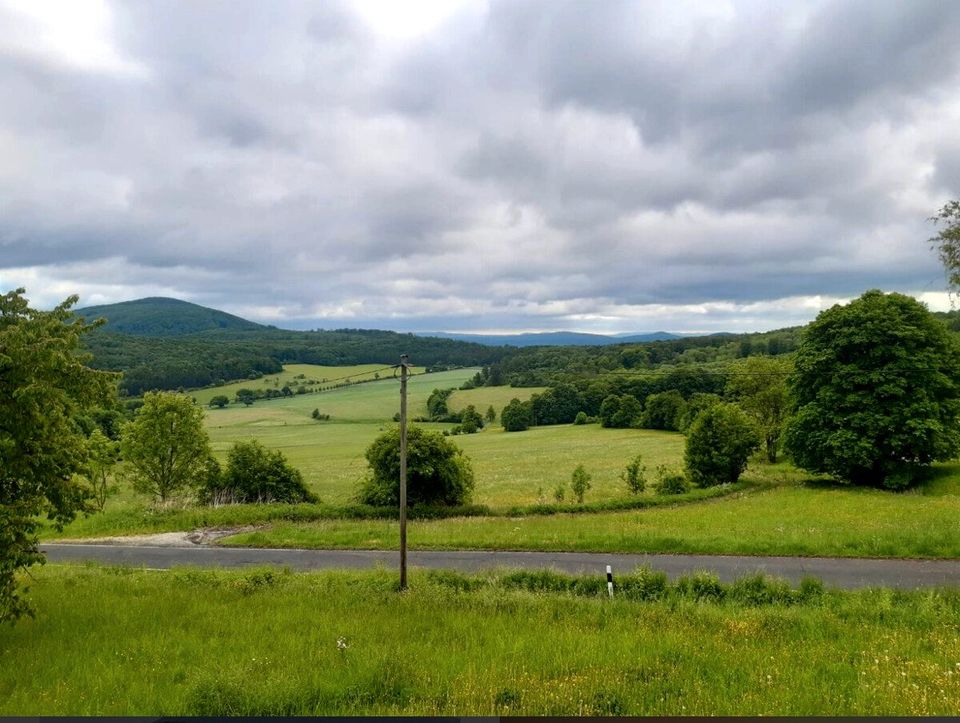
(246, 396)
(947, 241)
(219, 401)
(759, 385)
(877, 389)
(103, 454)
(580, 483)
(470, 420)
(696, 404)
(491, 415)
(167, 447)
(44, 387)
(719, 444)
(517, 416)
(256, 474)
(663, 411)
(633, 475)
(438, 472)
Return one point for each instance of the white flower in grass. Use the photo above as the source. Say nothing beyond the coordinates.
(341, 644)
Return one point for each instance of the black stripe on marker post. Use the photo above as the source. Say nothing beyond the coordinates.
(610, 580)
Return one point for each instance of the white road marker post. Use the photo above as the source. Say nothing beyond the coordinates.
(610, 580)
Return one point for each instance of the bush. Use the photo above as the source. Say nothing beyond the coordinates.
(719, 445)
(438, 472)
(633, 475)
(580, 483)
(663, 411)
(581, 418)
(670, 481)
(256, 474)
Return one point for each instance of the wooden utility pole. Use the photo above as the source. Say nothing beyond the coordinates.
(403, 471)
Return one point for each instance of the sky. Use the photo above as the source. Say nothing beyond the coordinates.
(479, 165)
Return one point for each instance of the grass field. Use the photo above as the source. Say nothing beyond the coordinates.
(793, 518)
(214, 643)
(313, 376)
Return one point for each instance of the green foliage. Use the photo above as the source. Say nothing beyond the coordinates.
(670, 481)
(256, 474)
(759, 385)
(877, 387)
(166, 447)
(491, 415)
(698, 402)
(620, 412)
(517, 416)
(719, 445)
(316, 414)
(219, 401)
(580, 483)
(581, 418)
(44, 388)
(560, 492)
(663, 411)
(438, 472)
(633, 475)
(470, 420)
(558, 405)
(246, 396)
(103, 454)
(947, 240)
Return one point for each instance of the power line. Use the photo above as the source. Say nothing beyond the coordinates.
(358, 374)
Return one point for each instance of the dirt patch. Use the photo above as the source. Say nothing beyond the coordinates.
(163, 539)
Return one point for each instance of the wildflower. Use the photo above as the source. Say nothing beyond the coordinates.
(341, 644)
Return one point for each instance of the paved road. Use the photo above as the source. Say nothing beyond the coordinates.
(839, 572)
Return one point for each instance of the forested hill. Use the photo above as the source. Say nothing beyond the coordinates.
(167, 344)
(160, 316)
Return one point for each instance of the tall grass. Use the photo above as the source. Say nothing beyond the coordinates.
(265, 642)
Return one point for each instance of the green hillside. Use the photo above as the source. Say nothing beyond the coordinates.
(159, 316)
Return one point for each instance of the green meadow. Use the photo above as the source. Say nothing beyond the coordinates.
(777, 509)
(119, 641)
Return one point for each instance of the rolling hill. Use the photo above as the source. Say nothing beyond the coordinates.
(554, 338)
(161, 316)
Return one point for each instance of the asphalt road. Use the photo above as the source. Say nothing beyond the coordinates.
(837, 572)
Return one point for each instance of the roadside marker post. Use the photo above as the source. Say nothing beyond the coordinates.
(610, 580)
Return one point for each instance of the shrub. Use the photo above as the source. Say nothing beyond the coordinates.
(663, 411)
(438, 472)
(670, 481)
(580, 483)
(219, 401)
(581, 418)
(633, 475)
(719, 445)
(316, 414)
(560, 492)
(256, 474)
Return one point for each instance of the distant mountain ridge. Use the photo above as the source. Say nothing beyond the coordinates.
(162, 316)
(553, 338)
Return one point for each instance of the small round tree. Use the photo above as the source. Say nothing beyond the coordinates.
(517, 416)
(438, 472)
(719, 444)
(877, 388)
(256, 474)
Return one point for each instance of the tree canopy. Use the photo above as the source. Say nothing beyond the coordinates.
(167, 447)
(438, 472)
(877, 388)
(44, 387)
(947, 240)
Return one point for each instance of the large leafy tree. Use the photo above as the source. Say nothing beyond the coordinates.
(166, 446)
(759, 385)
(44, 388)
(877, 387)
(719, 445)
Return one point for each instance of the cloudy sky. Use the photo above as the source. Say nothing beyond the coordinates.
(598, 166)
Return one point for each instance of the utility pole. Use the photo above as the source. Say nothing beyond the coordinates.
(403, 472)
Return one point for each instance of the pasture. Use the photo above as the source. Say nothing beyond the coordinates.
(112, 641)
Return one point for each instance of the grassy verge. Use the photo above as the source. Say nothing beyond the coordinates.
(189, 642)
(141, 519)
(791, 519)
